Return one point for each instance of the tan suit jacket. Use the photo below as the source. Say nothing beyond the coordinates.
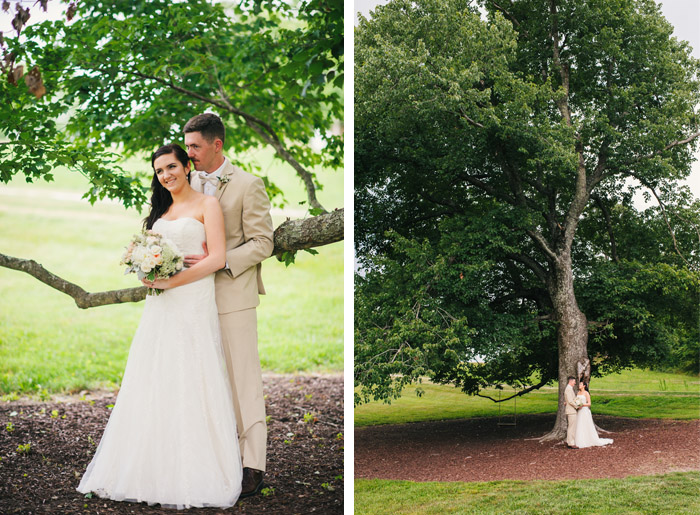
(249, 234)
(569, 400)
(249, 237)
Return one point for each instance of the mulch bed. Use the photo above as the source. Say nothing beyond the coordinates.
(480, 450)
(304, 460)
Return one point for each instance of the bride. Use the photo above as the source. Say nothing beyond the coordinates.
(171, 438)
(586, 434)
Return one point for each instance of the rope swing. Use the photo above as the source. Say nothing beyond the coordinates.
(507, 417)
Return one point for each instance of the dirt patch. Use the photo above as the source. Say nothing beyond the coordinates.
(480, 450)
(304, 464)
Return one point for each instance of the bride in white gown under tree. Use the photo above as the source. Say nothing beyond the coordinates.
(171, 437)
(586, 434)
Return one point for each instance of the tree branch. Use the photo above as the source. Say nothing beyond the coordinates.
(578, 202)
(600, 167)
(626, 165)
(542, 244)
(670, 146)
(521, 392)
(533, 265)
(292, 235)
(274, 141)
(82, 298)
(692, 224)
(563, 102)
(663, 212)
(462, 114)
(507, 14)
(488, 189)
(261, 128)
(512, 18)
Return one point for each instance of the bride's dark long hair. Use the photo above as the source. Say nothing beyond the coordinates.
(161, 199)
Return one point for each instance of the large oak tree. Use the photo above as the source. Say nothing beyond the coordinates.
(497, 156)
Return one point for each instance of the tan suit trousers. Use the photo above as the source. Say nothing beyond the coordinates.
(571, 429)
(239, 336)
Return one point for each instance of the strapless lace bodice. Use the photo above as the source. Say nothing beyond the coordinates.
(186, 233)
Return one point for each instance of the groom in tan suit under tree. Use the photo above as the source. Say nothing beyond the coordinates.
(249, 240)
(571, 412)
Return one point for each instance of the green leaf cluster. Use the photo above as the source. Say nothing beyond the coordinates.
(123, 77)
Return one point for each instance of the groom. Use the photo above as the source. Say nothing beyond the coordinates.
(249, 234)
(571, 412)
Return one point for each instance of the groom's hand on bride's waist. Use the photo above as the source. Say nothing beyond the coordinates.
(193, 259)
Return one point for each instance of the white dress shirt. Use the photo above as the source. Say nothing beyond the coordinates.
(209, 188)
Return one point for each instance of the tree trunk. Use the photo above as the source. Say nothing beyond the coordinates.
(572, 336)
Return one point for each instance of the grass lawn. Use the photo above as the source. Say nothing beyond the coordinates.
(47, 344)
(670, 493)
(631, 393)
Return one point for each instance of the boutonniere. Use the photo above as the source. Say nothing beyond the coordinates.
(224, 179)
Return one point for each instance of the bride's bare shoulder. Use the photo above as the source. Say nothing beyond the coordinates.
(209, 202)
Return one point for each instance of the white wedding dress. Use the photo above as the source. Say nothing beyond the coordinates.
(171, 437)
(586, 434)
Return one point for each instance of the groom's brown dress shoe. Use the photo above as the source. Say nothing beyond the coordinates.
(572, 446)
(252, 482)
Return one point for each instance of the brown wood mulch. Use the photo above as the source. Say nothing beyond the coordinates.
(480, 450)
(304, 460)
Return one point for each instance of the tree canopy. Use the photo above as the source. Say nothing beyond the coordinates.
(111, 80)
(496, 161)
(120, 78)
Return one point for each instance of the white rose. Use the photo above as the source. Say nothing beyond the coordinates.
(138, 255)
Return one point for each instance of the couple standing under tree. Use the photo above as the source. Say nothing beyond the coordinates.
(581, 431)
(188, 427)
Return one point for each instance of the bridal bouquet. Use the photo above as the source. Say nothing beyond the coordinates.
(578, 402)
(152, 255)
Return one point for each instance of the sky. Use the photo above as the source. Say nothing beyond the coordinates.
(684, 15)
